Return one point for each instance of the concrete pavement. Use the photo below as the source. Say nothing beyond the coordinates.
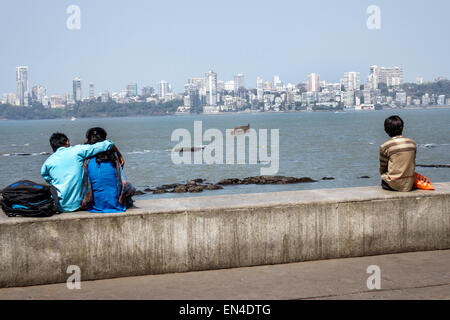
(418, 275)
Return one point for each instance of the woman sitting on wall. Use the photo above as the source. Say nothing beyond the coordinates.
(106, 187)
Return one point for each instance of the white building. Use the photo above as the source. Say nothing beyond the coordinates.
(239, 82)
(132, 90)
(56, 101)
(441, 100)
(22, 92)
(163, 89)
(426, 99)
(38, 93)
(400, 97)
(277, 84)
(91, 91)
(351, 81)
(77, 96)
(9, 98)
(313, 83)
(211, 88)
(259, 89)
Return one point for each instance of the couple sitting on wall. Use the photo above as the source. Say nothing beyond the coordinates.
(88, 177)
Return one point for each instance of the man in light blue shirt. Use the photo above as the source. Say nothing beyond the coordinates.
(64, 169)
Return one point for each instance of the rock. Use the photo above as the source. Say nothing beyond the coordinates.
(231, 181)
(433, 165)
(148, 190)
(364, 177)
(266, 180)
(199, 180)
(306, 180)
(213, 187)
(138, 193)
(180, 189)
(195, 189)
(169, 186)
(328, 178)
(159, 191)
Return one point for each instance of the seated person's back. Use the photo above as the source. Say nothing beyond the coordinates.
(103, 172)
(64, 169)
(397, 158)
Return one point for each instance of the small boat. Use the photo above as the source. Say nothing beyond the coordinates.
(73, 119)
(240, 130)
(189, 149)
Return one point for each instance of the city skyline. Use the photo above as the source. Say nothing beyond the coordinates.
(213, 95)
(146, 42)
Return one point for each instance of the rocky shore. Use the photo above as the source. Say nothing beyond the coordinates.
(198, 185)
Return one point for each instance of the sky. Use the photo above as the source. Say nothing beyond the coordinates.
(143, 42)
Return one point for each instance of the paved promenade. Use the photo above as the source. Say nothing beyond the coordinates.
(418, 275)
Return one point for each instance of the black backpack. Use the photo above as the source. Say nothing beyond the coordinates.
(29, 199)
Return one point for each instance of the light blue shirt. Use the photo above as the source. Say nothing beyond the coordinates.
(64, 171)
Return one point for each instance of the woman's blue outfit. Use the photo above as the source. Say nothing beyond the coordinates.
(104, 184)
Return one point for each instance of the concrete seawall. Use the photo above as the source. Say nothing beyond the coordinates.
(191, 234)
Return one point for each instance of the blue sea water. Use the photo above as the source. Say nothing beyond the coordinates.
(340, 145)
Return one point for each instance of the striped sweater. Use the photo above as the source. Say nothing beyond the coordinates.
(398, 162)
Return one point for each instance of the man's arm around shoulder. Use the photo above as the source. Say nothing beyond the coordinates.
(89, 150)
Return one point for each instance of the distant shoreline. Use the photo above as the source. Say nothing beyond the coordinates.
(238, 113)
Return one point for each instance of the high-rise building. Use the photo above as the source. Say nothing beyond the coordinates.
(132, 90)
(38, 93)
(91, 91)
(351, 81)
(163, 89)
(238, 82)
(260, 89)
(268, 85)
(147, 91)
(104, 96)
(211, 88)
(277, 82)
(313, 83)
(391, 76)
(22, 85)
(77, 90)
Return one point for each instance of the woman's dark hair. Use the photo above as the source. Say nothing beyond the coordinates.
(393, 126)
(58, 140)
(95, 135)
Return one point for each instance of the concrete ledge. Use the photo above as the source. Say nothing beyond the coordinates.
(202, 233)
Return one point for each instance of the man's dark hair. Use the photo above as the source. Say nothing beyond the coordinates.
(393, 126)
(58, 140)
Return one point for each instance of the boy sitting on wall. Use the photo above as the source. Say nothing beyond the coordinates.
(397, 158)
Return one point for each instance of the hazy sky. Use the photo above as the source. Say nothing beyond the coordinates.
(146, 41)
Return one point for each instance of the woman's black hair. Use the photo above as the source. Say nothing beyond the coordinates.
(95, 135)
(393, 126)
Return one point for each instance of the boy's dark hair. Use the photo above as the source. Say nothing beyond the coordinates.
(393, 126)
(58, 140)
